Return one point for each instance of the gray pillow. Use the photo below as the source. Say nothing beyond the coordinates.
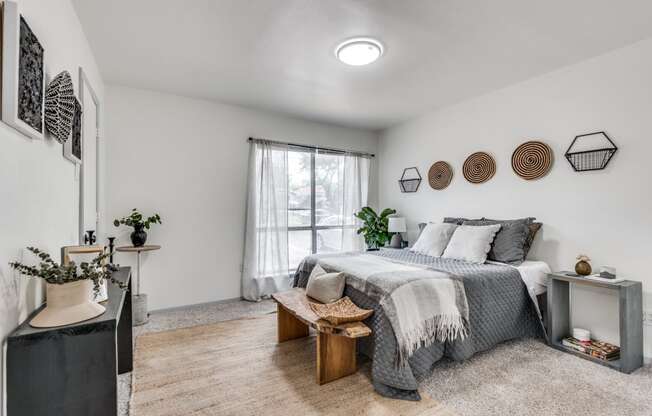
(510, 242)
(325, 287)
(456, 220)
(534, 229)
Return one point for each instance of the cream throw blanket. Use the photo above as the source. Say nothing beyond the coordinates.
(423, 305)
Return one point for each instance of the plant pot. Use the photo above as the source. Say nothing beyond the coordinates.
(67, 304)
(138, 237)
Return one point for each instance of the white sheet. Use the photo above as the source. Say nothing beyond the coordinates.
(535, 276)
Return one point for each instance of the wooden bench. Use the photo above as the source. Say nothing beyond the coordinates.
(336, 344)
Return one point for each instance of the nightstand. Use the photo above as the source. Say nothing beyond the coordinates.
(630, 301)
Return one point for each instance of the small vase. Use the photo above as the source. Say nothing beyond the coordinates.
(583, 268)
(67, 304)
(138, 237)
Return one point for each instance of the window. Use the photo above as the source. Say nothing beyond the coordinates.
(317, 220)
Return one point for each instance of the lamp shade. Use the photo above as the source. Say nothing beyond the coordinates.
(396, 225)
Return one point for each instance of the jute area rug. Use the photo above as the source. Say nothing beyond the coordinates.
(237, 368)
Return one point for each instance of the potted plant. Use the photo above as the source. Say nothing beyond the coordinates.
(136, 220)
(375, 227)
(70, 289)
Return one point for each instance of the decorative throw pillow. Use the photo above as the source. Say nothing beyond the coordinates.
(509, 244)
(433, 239)
(534, 229)
(325, 287)
(471, 242)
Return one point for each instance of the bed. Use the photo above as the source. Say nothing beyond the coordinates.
(500, 307)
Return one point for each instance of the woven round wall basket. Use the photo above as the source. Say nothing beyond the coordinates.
(479, 167)
(440, 175)
(60, 106)
(532, 160)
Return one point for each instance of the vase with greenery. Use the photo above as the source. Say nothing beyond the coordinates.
(140, 224)
(374, 229)
(70, 288)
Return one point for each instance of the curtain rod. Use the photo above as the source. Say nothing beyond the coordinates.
(305, 146)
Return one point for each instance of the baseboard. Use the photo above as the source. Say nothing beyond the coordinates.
(215, 302)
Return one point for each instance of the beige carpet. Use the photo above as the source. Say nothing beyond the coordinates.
(237, 368)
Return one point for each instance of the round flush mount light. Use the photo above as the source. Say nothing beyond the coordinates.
(359, 51)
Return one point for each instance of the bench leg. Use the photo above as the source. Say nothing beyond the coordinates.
(335, 357)
(288, 326)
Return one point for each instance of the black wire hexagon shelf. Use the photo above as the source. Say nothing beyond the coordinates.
(410, 180)
(593, 151)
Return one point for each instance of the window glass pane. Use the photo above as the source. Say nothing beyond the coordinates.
(300, 246)
(329, 177)
(299, 189)
(329, 240)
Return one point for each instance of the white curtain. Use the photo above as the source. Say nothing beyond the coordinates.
(355, 187)
(266, 267)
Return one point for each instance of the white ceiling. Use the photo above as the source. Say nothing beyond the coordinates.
(278, 54)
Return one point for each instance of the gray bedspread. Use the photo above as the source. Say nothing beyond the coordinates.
(500, 309)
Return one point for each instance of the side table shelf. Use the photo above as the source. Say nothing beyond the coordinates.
(630, 308)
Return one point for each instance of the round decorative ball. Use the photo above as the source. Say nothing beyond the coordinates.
(60, 106)
(532, 160)
(583, 268)
(440, 175)
(479, 167)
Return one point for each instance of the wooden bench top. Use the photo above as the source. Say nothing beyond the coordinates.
(295, 302)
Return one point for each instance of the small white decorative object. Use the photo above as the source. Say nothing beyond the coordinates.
(581, 334)
(608, 272)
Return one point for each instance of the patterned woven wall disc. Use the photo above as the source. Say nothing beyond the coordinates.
(60, 106)
(440, 175)
(479, 167)
(532, 160)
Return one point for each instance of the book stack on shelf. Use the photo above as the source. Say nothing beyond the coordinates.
(597, 349)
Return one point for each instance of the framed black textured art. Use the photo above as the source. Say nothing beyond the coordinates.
(23, 74)
(72, 149)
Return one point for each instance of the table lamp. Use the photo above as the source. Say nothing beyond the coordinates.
(396, 225)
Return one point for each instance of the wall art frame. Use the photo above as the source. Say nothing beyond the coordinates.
(72, 148)
(23, 74)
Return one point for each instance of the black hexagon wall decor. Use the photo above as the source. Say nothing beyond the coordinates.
(410, 180)
(591, 151)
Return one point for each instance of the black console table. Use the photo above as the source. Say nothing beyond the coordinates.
(72, 370)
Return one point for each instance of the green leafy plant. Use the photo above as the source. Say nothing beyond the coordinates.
(375, 226)
(137, 220)
(59, 274)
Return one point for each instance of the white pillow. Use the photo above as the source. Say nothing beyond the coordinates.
(325, 287)
(433, 239)
(471, 243)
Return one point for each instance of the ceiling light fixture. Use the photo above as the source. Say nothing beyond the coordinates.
(359, 51)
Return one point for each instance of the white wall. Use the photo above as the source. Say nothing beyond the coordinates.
(39, 188)
(605, 214)
(187, 160)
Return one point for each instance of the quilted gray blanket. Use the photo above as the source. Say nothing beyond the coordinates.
(499, 309)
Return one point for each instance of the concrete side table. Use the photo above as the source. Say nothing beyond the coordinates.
(139, 300)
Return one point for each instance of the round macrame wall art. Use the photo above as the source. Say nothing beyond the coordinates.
(479, 167)
(440, 175)
(532, 160)
(60, 106)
